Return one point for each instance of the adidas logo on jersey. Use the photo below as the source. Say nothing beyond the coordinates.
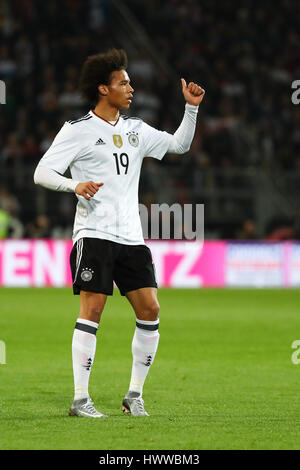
(100, 142)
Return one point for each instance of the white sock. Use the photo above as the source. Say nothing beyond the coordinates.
(144, 347)
(83, 353)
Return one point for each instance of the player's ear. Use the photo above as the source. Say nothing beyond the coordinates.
(103, 90)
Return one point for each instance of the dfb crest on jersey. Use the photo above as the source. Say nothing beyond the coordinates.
(133, 139)
(117, 140)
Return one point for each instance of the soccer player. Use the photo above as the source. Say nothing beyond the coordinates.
(104, 151)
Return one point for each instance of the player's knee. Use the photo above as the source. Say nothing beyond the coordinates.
(93, 313)
(150, 313)
(91, 306)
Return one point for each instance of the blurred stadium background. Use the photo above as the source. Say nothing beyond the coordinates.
(244, 162)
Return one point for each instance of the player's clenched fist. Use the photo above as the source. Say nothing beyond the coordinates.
(88, 189)
(192, 92)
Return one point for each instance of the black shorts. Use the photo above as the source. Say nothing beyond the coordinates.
(96, 263)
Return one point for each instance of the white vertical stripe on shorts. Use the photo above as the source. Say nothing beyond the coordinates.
(79, 246)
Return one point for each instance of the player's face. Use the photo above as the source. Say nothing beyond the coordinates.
(120, 92)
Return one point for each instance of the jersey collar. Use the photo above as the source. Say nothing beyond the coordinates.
(97, 116)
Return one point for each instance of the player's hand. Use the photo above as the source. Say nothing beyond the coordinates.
(88, 189)
(192, 92)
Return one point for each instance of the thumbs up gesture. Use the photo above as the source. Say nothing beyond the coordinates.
(192, 92)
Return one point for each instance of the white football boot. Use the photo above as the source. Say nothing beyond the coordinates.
(134, 404)
(85, 408)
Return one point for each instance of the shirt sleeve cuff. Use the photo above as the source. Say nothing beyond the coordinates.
(191, 107)
(73, 184)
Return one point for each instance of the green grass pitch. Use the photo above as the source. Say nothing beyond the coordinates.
(222, 378)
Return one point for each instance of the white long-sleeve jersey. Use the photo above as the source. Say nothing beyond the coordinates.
(95, 149)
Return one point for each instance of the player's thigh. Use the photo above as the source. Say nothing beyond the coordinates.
(92, 261)
(145, 303)
(134, 269)
(91, 305)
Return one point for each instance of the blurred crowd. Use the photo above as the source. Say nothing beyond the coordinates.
(245, 54)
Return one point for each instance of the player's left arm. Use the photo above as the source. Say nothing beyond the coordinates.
(181, 140)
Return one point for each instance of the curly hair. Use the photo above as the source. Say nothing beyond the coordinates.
(98, 69)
